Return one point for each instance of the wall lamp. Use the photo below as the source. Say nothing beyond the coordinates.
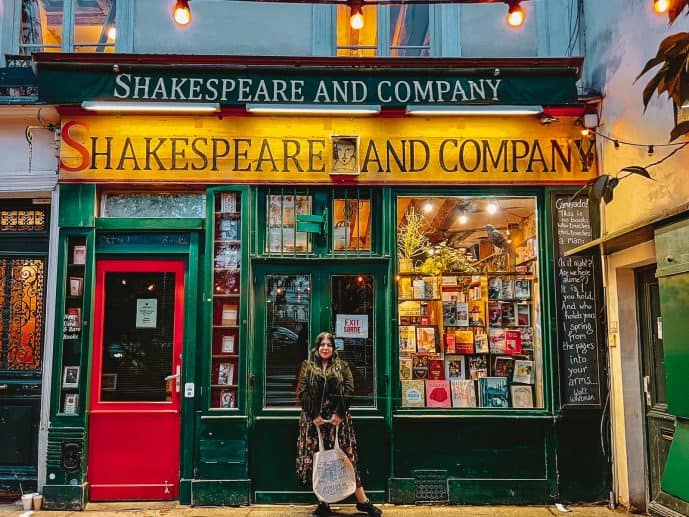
(151, 107)
(314, 109)
(182, 12)
(473, 110)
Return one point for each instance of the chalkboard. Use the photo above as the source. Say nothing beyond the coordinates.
(577, 304)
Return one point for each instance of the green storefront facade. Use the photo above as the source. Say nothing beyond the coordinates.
(200, 254)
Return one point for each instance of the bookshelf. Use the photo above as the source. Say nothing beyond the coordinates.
(227, 294)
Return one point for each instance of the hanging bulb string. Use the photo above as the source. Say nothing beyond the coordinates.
(674, 151)
(617, 141)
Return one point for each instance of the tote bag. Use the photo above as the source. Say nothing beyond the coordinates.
(333, 473)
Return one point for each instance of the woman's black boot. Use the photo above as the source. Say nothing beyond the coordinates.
(322, 510)
(369, 509)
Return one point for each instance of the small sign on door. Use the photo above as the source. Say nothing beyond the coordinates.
(146, 313)
(351, 326)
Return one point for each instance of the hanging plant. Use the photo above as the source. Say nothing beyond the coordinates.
(411, 236)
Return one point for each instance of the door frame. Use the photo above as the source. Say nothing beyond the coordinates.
(364, 417)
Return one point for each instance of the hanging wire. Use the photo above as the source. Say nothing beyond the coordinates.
(616, 141)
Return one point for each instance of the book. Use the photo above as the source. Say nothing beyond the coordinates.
(449, 281)
(507, 291)
(436, 369)
(405, 368)
(497, 341)
(503, 366)
(407, 339)
(455, 367)
(229, 314)
(426, 340)
(413, 393)
(226, 373)
(495, 314)
(438, 394)
(522, 289)
(527, 338)
(494, 288)
(522, 396)
(449, 342)
(463, 393)
(508, 314)
(409, 309)
(79, 255)
(420, 366)
(478, 366)
(513, 342)
(481, 342)
(227, 344)
(432, 287)
(462, 314)
(523, 371)
(71, 404)
(464, 342)
(228, 202)
(228, 228)
(523, 314)
(228, 399)
(404, 286)
(418, 288)
(450, 313)
(76, 286)
(492, 392)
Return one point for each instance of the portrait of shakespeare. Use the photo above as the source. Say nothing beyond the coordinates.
(345, 155)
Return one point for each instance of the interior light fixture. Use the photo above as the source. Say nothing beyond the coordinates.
(463, 219)
(112, 33)
(493, 109)
(356, 16)
(515, 14)
(182, 12)
(150, 107)
(428, 207)
(661, 6)
(314, 109)
(492, 207)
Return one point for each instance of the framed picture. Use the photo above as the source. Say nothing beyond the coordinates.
(79, 255)
(227, 344)
(70, 377)
(225, 373)
(71, 404)
(108, 382)
(228, 399)
(76, 286)
(345, 155)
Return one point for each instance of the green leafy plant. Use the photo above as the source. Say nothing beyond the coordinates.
(445, 259)
(411, 235)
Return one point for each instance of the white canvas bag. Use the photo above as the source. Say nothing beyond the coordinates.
(333, 473)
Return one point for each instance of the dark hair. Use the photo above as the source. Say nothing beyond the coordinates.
(319, 339)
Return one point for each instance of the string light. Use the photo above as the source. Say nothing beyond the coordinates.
(182, 12)
(515, 14)
(661, 6)
(428, 207)
(492, 208)
(650, 150)
(356, 16)
(463, 219)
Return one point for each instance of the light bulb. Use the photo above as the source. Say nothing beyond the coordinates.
(661, 6)
(585, 132)
(356, 17)
(492, 208)
(182, 12)
(428, 207)
(463, 219)
(515, 15)
(112, 33)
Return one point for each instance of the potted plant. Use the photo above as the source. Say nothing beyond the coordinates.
(445, 259)
(411, 239)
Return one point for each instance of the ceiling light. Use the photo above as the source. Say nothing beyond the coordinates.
(428, 207)
(463, 219)
(112, 33)
(661, 6)
(314, 109)
(492, 208)
(356, 16)
(146, 107)
(182, 12)
(495, 109)
(515, 15)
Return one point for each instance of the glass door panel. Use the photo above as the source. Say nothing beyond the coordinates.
(288, 336)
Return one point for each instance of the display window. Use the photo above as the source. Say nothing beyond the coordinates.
(468, 303)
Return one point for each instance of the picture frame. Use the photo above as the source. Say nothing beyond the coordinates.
(108, 382)
(225, 374)
(228, 399)
(345, 155)
(79, 255)
(227, 344)
(76, 286)
(71, 404)
(70, 377)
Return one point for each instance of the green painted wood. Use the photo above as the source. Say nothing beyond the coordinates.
(672, 248)
(664, 501)
(185, 491)
(77, 205)
(402, 490)
(149, 223)
(499, 491)
(675, 481)
(220, 492)
(65, 497)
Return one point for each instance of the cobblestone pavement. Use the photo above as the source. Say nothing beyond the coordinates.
(175, 510)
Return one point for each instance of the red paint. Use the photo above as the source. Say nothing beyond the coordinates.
(133, 447)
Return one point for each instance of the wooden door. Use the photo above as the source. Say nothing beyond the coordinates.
(134, 421)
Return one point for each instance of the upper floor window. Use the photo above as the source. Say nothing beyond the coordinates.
(399, 30)
(64, 26)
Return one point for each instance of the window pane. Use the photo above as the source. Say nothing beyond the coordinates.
(288, 311)
(469, 307)
(282, 235)
(352, 224)
(352, 300)
(356, 42)
(142, 204)
(137, 337)
(409, 30)
(41, 26)
(94, 26)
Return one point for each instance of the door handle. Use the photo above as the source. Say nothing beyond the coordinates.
(177, 376)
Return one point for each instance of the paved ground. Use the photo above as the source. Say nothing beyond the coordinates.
(175, 510)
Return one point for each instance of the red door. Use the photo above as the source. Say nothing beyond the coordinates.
(134, 420)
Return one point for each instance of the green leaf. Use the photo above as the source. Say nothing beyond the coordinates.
(637, 169)
(680, 129)
(650, 89)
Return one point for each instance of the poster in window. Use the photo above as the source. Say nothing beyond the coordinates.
(351, 326)
(146, 313)
(70, 377)
(71, 404)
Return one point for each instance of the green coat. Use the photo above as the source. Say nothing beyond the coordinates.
(315, 386)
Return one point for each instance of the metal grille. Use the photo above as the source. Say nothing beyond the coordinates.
(14, 220)
(431, 486)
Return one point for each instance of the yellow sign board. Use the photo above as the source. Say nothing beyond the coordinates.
(376, 150)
